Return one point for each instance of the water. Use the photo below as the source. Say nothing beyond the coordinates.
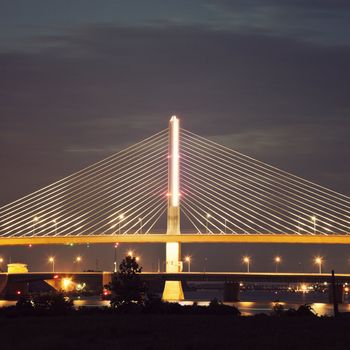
(252, 302)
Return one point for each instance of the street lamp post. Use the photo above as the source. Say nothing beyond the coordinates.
(121, 217)
(207, 222)
(1, 261)
(140, 221)
(78, 260)
(55, 223)
(277, 261)
(246, 260)
(318, 261)
(52, 261)
(188, 260)
(225, 231)
(35, 220)
(314, 219)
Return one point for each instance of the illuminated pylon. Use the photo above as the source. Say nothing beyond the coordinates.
(173, 289)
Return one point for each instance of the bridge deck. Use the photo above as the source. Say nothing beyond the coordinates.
(183, 238)
(197, 276)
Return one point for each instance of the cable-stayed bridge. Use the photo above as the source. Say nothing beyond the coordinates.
(178, 187)
(140, 193)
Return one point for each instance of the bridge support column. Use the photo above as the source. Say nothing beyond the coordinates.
(173, 289)
(231, 291)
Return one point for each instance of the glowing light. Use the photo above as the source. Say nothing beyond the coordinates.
(51, 259)
(121, 216)
(80, 286)
(318, 260)
(174, 159)
(277, 259)
(36, 219)
(130, 253)
(137, 258)
(303, 288)
(313, 218)
(208, 216)
(66, 283)
(246, 260)
(78, 259)
(1, 260)
(187, 258)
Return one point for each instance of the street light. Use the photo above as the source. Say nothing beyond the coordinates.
(137, 258)
(115, 257)
(35, 220)
(277, 261)
(246, 260)
(130, 253)
(207, 222)
(52, 261)
(55, 223)
(121, 217)
(188, 260)
(78, 260)
(140, 221)
(318, 261)
(314, 219)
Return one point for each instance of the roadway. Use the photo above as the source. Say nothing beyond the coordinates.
(182, 238)
(194, 276)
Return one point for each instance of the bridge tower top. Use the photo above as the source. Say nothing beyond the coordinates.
(173, 210)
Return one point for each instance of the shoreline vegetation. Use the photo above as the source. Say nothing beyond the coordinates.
(52, 321)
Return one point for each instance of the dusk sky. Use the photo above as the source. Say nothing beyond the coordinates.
(80, 80)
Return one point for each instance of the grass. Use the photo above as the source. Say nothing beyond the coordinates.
(166, 332)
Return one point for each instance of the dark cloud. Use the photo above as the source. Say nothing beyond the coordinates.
(95, 90)
(322, 21)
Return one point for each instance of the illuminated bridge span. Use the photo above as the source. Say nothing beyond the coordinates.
(133, 195)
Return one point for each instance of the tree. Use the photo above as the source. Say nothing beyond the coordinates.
(126, 286)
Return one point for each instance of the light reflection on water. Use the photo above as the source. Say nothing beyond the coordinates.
(247, 308)
(250, 308)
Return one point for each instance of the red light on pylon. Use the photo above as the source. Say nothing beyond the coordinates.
(18, 292)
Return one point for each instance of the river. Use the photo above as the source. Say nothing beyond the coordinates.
(252, 302)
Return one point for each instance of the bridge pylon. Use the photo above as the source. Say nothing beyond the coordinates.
(173, 289)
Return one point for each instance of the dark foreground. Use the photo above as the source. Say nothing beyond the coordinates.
(166, 332)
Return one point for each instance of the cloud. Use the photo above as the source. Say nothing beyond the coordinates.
(103, 87)
(321, 21)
